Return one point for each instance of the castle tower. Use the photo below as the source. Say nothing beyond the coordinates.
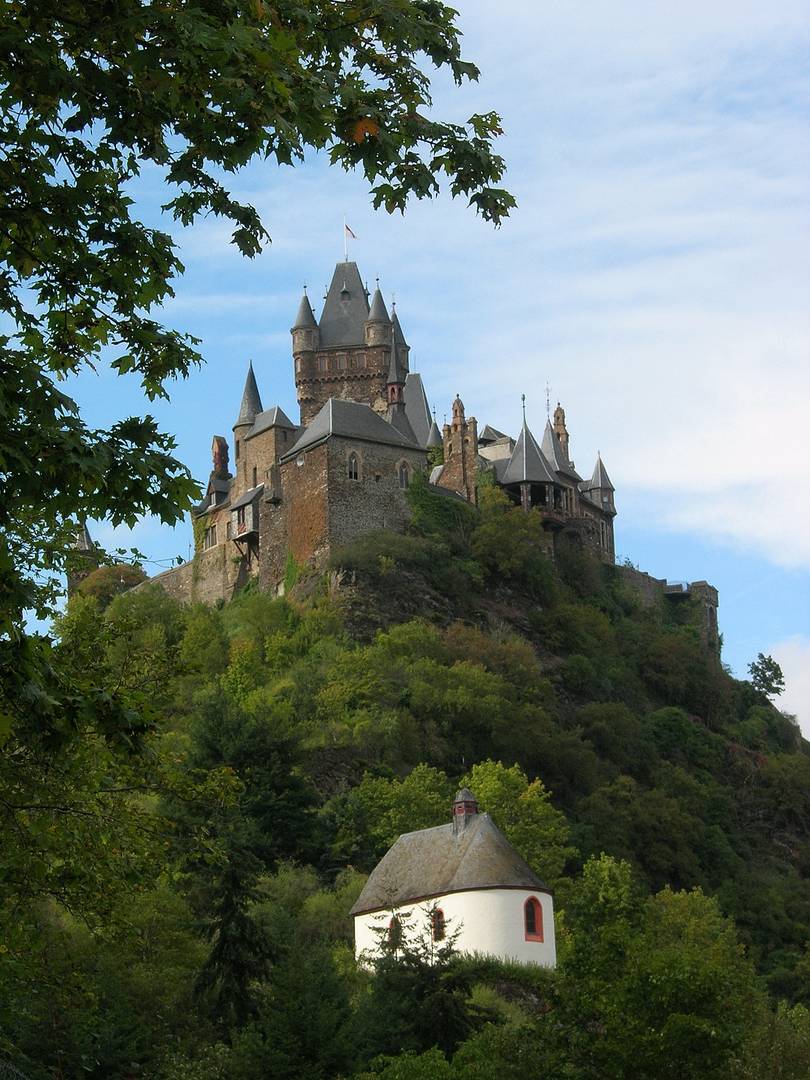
(84, 558)
(460, 439)
(249, 409)
(347, 353)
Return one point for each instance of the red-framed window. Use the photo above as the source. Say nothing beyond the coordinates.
(533, 919)
(439, 929)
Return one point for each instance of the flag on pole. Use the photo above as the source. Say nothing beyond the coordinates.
(349, 231)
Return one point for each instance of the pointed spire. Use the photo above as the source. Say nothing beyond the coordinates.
(251, 402)
(600, 478)
(345, 310)
(378, 311)
(399, 337)
(83, 541)
(528, 464)
(305, 319)
(435, 436)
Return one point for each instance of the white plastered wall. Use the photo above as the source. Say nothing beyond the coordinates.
(489, 921)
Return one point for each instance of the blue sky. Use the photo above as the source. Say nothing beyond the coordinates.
(656, 274)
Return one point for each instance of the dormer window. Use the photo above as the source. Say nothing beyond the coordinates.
(533, 919)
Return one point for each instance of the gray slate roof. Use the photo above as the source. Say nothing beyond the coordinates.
(251, 402)
(83, 541)
(351, 420)
(305, 319)
(527, 463)
(398, 418)
(273, 417)
(600, 478)
(399, 337)
(378, 312)
(433, 862)
(417, 407)
(435, 436)
(248, 497)
(555, 455)
(491, 434)
(345, 310)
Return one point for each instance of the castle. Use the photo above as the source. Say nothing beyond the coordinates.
(298, 491)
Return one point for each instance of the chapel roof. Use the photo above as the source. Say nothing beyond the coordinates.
(351, 420)
(433, 862)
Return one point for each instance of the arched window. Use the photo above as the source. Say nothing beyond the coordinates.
(437, 919)
(394, 933)
(353, 466)
(533, 919)
(404, 475)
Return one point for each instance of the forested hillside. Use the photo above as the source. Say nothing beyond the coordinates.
(178, 882)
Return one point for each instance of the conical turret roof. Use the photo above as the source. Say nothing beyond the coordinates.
(527, 463)
(399, 337)
(600, 478)
(378, 312)
(305, 319)
(345, 310)
(251, 402)
(434, 437)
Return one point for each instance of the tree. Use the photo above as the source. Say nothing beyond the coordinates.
(766, 675)
(91, 94)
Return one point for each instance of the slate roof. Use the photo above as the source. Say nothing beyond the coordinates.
(345, 310)
(352, 420)
(436, 474)
(435, 436)
(417, 408)
(600, 478)
(83, 541)
(273, 417)
(248, 497)
(398, 418)
(251, 402)
(378, 312)
(555, 455)
(527, 463)
(491, 434)
(305, 319)
(433, 862)
(399, 337)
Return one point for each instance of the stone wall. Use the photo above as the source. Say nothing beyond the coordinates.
(375, 500)
(354, 374)
(649, 590)
(215, 574)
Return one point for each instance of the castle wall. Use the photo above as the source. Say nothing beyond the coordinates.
(210, 576)
(375, 500)
(354, 374)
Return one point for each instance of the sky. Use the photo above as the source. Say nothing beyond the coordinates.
(655, 275)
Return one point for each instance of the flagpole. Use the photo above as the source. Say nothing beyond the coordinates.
(345, 241)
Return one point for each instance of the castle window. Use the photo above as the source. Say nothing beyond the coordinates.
(237, 449)
(394, 933)
(323, 363)
(404, 476)
(353, 466)
(298, 366)
(255, 476)
(210, 537)
(438, 925)
(533, 919)
(341, 362)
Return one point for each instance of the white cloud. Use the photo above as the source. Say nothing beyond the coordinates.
(793, 656)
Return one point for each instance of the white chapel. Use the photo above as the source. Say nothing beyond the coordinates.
(462, 877)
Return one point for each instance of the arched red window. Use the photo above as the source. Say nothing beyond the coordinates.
(533, 919)
(394, 933)
(439, 931)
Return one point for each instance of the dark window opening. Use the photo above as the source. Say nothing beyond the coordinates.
(237, 449)
(255, 476)
(353, 467)
(210, 537)
(404, 476)
(533, 919)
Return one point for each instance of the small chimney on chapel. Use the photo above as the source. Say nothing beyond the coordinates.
(465, 808)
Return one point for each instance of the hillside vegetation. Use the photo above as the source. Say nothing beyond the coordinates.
(178, 885)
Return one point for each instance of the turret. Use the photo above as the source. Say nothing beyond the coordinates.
(560, 429)
(249, 409)
(599, 488)
(305, 334)
(465, 810)
(377, 328)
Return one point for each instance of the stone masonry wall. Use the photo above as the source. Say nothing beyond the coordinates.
(355, 374)
(212, 575)
(376, 500)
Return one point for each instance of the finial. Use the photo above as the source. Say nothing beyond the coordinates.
(548, 401)
(523, 403)
(393, 301)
